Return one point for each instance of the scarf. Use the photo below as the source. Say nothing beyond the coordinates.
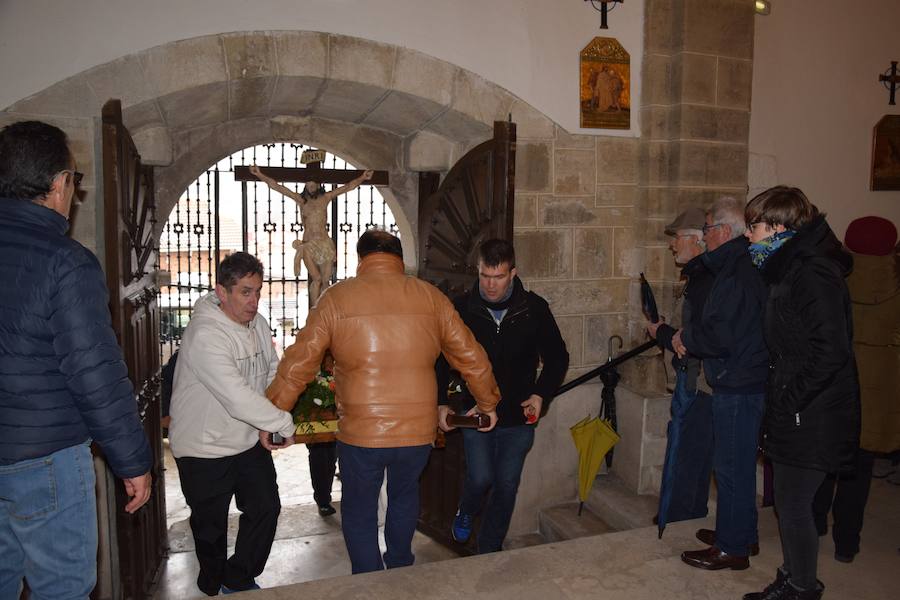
(763, 249)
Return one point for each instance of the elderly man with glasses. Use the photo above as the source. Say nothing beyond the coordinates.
(727, 336)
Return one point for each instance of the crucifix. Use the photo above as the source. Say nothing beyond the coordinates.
(893, 79)
(316, 250)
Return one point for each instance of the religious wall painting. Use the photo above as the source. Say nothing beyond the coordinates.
(605, 85)
(886, 154)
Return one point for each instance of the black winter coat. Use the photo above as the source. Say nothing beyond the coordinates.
(62, 377)
(812, 400)
(727, 334)
(527, 336)
(699, 283)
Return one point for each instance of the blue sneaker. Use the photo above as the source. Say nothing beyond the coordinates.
(462, 527)
(227, 590)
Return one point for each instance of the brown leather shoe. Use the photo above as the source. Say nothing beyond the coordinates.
(714, 559)
(708, 536)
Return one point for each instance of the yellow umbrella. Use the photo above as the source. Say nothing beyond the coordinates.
(593, 439)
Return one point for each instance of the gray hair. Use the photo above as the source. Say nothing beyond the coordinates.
(697, 233)
(729, 211)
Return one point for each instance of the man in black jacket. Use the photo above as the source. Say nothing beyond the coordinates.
(689, 448)
(518, 332)
(62, 378)
(728, 337)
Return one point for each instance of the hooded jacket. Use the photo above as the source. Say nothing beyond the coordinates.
(62, 377)
(812, 398)
(385, 330)
(218, 402)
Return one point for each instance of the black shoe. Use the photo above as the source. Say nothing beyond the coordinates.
(326, 510)
(713, 559)
(795, 594)
(708, 536)
(774, 591)
(844, 558)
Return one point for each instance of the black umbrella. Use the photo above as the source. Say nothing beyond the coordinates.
(648, 301)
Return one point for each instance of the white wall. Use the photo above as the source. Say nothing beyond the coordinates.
(530, 47)
(817, 98)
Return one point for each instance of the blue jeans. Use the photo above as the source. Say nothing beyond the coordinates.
(736, 422)
(48, 525)
(362, 473)
(494, 462)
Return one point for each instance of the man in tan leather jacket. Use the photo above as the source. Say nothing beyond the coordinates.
(385, 330)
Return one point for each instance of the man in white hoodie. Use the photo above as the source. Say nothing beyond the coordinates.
(219, 416)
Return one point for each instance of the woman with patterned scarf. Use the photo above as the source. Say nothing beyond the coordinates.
(812, 398)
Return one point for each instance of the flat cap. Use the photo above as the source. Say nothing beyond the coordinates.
(692, 218)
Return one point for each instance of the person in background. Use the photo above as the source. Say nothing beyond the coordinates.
(691, 427)
(812, 398)
(519, 333)
(727, 336)
(874, 288)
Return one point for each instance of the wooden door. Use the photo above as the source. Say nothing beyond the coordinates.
(129, 214)
(474, 203)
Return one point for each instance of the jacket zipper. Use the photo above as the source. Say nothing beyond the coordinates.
(797, 418)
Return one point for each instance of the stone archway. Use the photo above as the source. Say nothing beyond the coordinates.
(191, 102)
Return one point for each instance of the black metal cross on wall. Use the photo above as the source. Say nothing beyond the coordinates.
(893, 79)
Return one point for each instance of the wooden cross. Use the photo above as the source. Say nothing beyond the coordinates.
(312, 172)
(893, 79)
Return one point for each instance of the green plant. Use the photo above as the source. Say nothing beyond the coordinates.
(316, 398)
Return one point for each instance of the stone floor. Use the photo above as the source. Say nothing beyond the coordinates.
(306, 547)
(308, 560)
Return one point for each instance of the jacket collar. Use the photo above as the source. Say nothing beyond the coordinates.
(716, 260)
(476, 304)
(815, 238)
(380, 262)
(33, 215)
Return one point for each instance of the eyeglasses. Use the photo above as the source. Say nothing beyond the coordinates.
(77, 176)
(707, 228)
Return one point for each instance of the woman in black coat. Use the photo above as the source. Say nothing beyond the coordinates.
(812, 398)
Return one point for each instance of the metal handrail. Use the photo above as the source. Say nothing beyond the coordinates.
(609, 365)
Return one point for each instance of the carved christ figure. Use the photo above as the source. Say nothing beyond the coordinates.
(316, 249)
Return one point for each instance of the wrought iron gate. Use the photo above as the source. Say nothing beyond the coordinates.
(217, 215)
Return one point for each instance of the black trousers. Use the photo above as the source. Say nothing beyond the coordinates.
(795, 488)
(208, 485)
(847, 504)
(322, 466)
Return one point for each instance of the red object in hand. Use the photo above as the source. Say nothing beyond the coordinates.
(530, 416)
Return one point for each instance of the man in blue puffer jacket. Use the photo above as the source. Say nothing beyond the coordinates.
(63, 382)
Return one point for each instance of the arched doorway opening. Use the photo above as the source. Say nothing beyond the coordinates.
(217, 214)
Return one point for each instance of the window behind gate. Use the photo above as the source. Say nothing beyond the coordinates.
(217, 215)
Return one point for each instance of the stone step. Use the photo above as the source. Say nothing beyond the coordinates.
(613, 502)
(562, 522)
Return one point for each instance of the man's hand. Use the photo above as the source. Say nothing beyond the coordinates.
(443, 412)
(678, 345)
(367, 175)
(492, 415)
(652, 327)
(532, 408)
(138, 489)
(265, 440)
(254, 170)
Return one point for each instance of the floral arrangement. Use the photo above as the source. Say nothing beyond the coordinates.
(318, 398)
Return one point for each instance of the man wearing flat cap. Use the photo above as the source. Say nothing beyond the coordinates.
(691, 456)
